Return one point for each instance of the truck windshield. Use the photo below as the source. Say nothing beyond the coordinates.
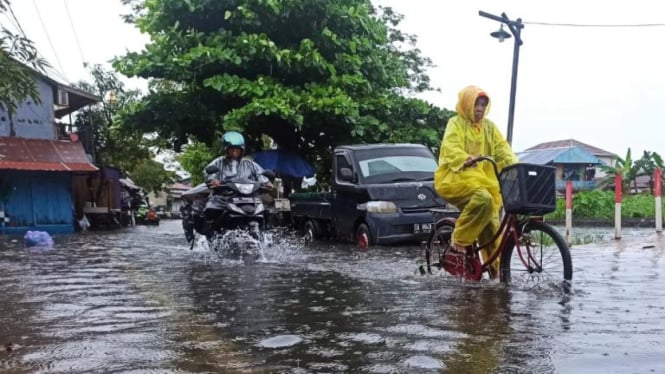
(414, 165)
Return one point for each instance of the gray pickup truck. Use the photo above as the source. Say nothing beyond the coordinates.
(379, 194)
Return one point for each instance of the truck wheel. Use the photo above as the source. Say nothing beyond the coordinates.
(311, 230)
(363, 236)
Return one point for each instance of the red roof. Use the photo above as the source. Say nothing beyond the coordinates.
(43, 154)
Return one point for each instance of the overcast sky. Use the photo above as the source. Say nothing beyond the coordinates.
(600, 85)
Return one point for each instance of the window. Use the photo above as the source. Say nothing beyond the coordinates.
(571, 173)
(397, 164)
(341, 163)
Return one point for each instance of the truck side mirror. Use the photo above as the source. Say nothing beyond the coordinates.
(346, 174)
(212, 169)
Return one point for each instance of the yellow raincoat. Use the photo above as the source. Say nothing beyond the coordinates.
(474, 190)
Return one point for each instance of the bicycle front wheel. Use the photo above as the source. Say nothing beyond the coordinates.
(540, 256)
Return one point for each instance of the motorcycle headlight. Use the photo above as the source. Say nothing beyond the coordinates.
(245, 188)
(379, 207)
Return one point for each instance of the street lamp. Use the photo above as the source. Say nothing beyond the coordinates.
(515, 28)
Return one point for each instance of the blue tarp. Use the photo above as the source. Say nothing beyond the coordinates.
(284, 163)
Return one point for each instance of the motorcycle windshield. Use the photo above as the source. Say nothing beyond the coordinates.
(243, 186)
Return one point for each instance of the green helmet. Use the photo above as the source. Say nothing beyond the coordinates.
(233, 139)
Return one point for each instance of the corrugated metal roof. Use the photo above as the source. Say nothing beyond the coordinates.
(567, 143)
(43, 154)
(563, 155)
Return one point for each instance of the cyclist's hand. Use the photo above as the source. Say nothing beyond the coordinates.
(268, 185)
(213, 183)
(471, 161)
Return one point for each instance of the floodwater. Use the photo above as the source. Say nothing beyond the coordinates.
(139, 301)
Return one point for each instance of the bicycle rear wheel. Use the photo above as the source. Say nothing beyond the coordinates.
(541, 256)
(439, 254)
(438, 244)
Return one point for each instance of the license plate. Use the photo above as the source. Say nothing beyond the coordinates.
(422, 227)
(244, 200)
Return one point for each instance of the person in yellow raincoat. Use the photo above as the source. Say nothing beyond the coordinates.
(471, 186)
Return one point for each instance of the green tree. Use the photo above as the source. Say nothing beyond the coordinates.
(151, 175)
(17, 56)
(115, 145)
(622, 166)
(194, 158)
(647, 166)
(309, 74)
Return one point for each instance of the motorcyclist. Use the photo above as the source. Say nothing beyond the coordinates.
(231, 166)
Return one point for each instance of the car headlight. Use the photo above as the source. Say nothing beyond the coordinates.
(378, 207)
(245, 188)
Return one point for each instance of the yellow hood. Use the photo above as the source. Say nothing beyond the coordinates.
(466, 101)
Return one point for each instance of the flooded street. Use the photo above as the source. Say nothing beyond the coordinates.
(139, 301)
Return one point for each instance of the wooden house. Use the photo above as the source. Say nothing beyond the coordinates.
(38, 163)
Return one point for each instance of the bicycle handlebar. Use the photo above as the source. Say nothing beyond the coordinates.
(483, 158)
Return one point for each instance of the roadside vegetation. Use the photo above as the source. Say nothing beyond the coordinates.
(308, 75)
(599, 203)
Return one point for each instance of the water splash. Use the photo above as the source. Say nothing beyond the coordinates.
(238, 245)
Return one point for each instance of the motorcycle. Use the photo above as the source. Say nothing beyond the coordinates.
(234, 208)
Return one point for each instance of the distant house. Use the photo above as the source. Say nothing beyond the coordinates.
(98, 196)
(572, 163)
(607, 158)
(176, 191)
(38, 161)
(170, 199)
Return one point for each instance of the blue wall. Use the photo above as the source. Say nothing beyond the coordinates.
(33, 120)
(39, 200)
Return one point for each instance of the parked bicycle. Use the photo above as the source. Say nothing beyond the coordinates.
(530, 249)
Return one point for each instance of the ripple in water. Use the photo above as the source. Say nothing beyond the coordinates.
(280, 341)
(423, 362)
(366, 338)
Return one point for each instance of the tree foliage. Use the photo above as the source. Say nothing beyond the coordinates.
(625, 167)
(17, 56)
(114, 145)
(647, 165)
(151, 175)
(630, 169)
(194, 158)
(309, 74)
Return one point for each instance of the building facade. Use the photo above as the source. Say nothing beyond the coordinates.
(39, 162)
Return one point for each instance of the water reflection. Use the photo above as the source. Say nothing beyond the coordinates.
(140, 301)
(482, 317)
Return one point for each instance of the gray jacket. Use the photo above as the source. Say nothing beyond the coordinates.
(230, 169)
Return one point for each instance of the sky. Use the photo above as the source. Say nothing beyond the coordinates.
(600, 85)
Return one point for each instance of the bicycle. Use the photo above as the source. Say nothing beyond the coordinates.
(528, 192)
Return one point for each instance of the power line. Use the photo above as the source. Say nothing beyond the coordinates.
(11, 11)
(48, 38)
(76, 38)
(595, 25)
(14, 22)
